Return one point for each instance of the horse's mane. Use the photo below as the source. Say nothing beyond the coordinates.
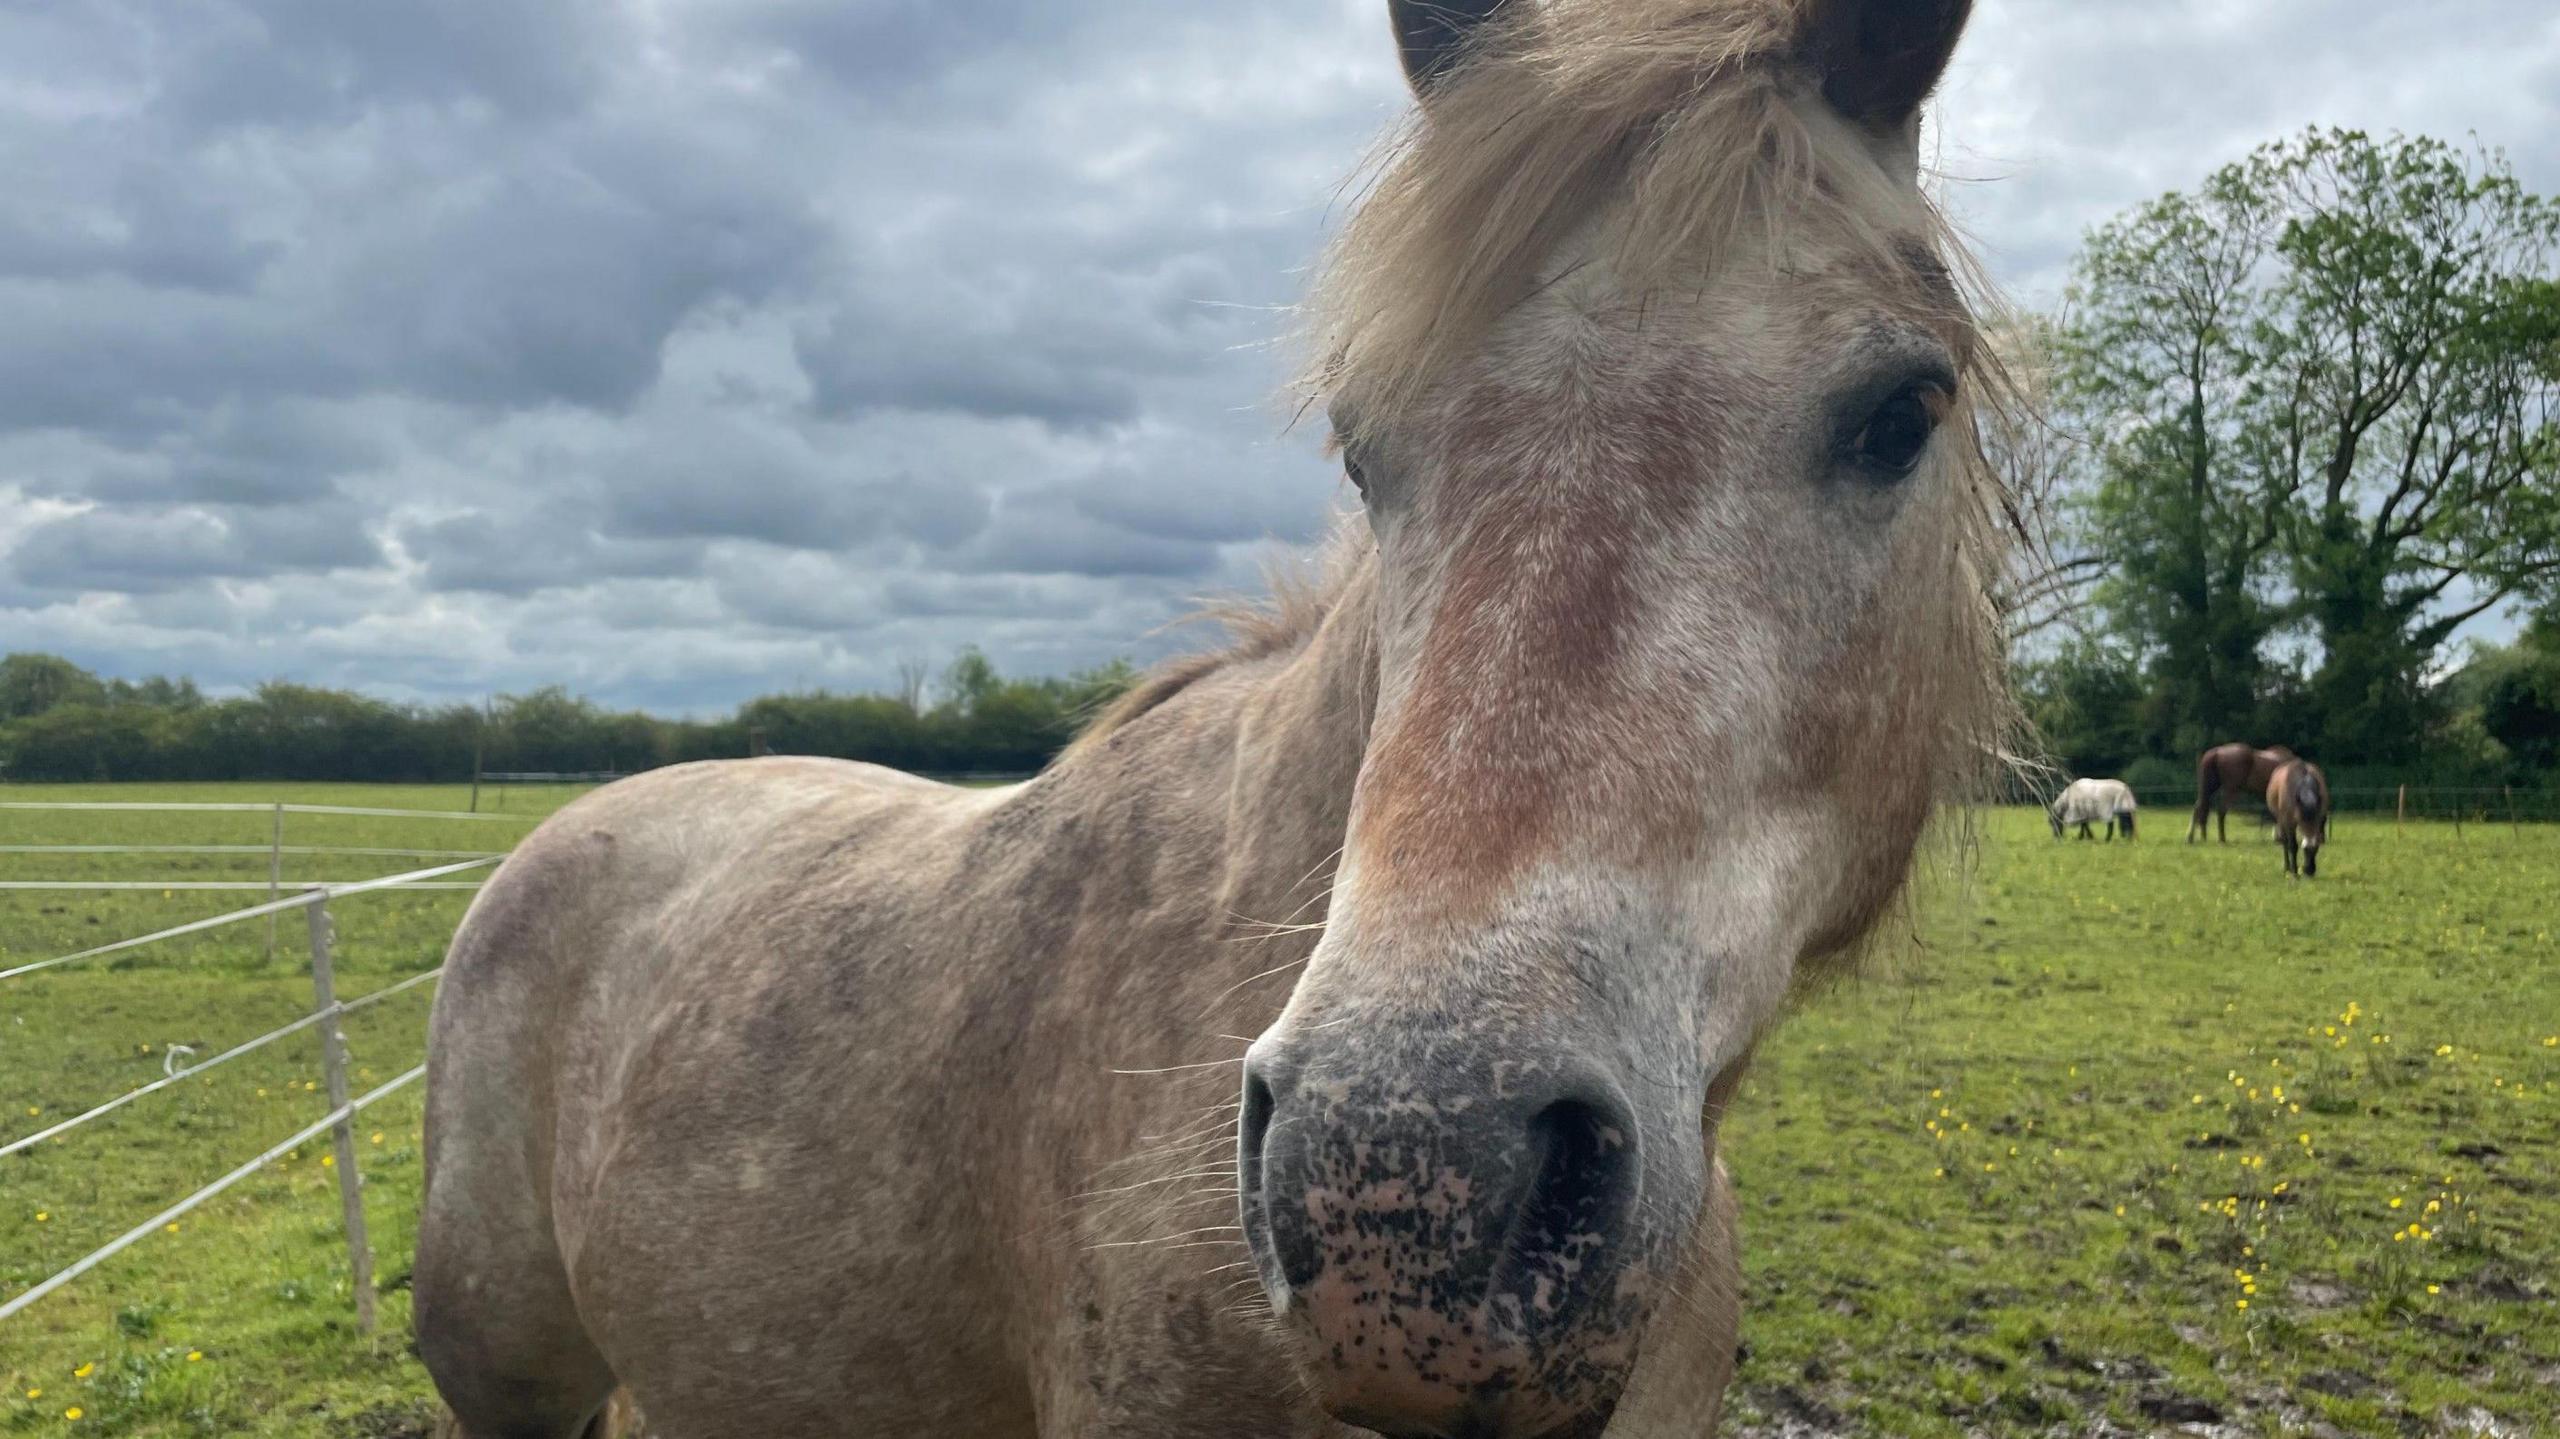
(2310, 793)
(1297, 596)
(1677, 109)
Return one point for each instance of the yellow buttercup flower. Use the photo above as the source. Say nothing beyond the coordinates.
(85, 1370)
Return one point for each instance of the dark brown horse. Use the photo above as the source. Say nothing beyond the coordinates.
(2298, 796)
(2226, 770)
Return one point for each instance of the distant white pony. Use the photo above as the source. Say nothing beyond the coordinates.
(2084, 802)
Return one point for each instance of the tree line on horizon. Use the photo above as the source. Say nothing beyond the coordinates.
(60, 722)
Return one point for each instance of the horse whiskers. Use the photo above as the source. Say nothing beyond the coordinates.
(1169, 1242)
(1272, 929)
(1159, 1179)
(1284, 925)
(1220, 1132)
(1176, 1068)
(1147, 1163)
(1324, 893)
(1160, 1239)
(1214, 1115)
(1250, 978)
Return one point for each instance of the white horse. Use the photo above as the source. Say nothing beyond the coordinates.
(2085, 802)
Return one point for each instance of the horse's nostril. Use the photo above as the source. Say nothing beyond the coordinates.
(1253, 1134)
(1252, 1128)
(1582, 1180)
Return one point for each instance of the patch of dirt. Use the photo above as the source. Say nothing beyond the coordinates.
(2319, 1293)
(2478, 1423)
(2508, 1289)
(1796, 1415)
(395, 1421)
(1784, 1429)
(2338, 1383)
(2136, 1370)
(2173, 1408)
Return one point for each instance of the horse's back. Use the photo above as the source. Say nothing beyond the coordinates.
(627, 887)
(2297, 788)
(2094, 799)
(685, 1017)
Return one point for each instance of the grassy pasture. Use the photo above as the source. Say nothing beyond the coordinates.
(2023, 1182)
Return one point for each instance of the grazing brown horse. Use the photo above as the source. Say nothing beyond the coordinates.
(2298, 796)
(2226, 770)
(1338, 1033)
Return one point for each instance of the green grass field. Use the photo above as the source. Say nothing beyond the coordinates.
(2143, 1135)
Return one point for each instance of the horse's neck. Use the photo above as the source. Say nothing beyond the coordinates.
(1300, 733)
(1250, 769)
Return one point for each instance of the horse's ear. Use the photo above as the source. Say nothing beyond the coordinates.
(1880, 58)
(1431, 35)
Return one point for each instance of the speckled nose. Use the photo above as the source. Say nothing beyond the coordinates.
(1451, 1241)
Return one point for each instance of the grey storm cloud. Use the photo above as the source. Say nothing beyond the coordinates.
(681, 350)
(150, 550)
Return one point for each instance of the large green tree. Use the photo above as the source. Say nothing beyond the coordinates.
(2323, 389)
(31, 684)
(2152, 353)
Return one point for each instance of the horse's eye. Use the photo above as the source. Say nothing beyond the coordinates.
(1894, 437)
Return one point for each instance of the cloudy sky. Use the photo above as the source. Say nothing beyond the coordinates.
(680, 350)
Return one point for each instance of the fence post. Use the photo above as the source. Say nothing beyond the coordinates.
(275, 874)
(342, 1135)
(2512, 822)
(2400, 816)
